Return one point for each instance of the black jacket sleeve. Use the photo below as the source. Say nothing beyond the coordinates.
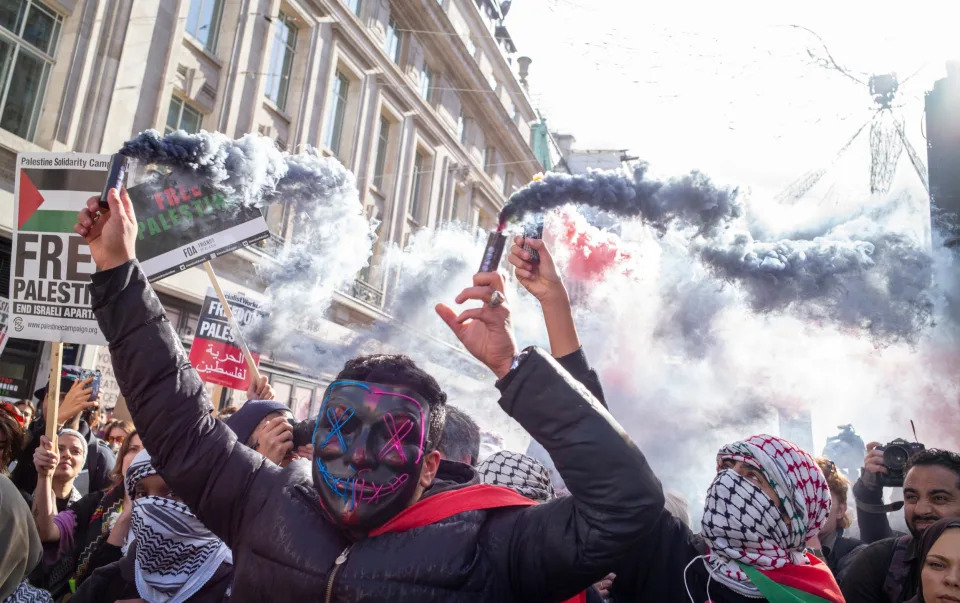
(862, 581)
(873, 526)
(560, 548)
(576, 364)
(659, 568)
(222, 481)
(108, 583)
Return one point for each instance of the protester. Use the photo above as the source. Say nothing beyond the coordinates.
(27, 410)
(267, 427)
(172, 557)
(20, 548)
(407, 530)
(940, 556)
(89, 534)
(11, 435)
(227, 412)
(768, 499)
(839, 551)
(460, 441)
(116, 432)
(74, 399)
(57, 470)
(518, 472)
(889, 570)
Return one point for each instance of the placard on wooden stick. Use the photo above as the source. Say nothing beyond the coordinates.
(53, 391)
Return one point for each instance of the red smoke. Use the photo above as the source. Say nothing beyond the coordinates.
(592, 251)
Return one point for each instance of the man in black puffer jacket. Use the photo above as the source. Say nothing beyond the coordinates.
(298, 535)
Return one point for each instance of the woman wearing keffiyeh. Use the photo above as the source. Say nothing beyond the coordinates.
(768, 499)
(172, 557)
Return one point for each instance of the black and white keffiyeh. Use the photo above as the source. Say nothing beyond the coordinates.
(518, 472)
(139, 468)
(26, 593)
(176, 555)
(742, 525)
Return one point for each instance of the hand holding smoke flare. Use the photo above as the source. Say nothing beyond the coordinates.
(331, 240)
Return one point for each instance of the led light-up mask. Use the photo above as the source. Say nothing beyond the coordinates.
(368, 451)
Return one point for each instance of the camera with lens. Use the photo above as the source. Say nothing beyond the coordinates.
(895, 457)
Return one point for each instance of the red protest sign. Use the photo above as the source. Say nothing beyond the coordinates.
(220, 363)
(214, 352)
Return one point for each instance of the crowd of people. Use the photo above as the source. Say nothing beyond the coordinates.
(388, 495)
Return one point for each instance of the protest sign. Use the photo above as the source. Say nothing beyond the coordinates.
(183, 221)
(51, 266)
(4, 322)
(215, 352)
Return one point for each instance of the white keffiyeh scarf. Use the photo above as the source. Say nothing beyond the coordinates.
(176, 555)
(741, 524)
(26, 593)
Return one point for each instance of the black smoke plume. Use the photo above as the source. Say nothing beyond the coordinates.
(690, 200)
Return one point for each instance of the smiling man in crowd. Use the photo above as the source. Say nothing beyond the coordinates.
(888, 570)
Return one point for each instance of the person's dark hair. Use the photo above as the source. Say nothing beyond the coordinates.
(27, 402)
(397, 369)
(461, 437)
(14, 437)
(116, 474)
(935, 457)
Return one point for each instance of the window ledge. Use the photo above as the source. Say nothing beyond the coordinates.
(272, 107)
(12, 142)
(196, 45)
(377, 192)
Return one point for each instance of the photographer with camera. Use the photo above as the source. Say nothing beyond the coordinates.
(888, 570)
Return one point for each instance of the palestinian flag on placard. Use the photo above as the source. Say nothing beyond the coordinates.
(50, 199)
(813, 583)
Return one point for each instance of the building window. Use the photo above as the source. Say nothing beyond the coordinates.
(30, 35)
(392, 42)
(416, 191)
(203, 22)
(355, 6)
(383, 140)
(281, 60)
(507, 184)
(462, 128)
(181, 116)
(488, 154)
(426, 83)
(338, 110)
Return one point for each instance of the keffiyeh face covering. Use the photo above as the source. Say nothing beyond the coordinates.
(176, 554)
(741, 524)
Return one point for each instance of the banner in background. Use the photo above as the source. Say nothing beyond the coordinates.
(4, 322)
(214, 352)
(184, 222)
(51, 265)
